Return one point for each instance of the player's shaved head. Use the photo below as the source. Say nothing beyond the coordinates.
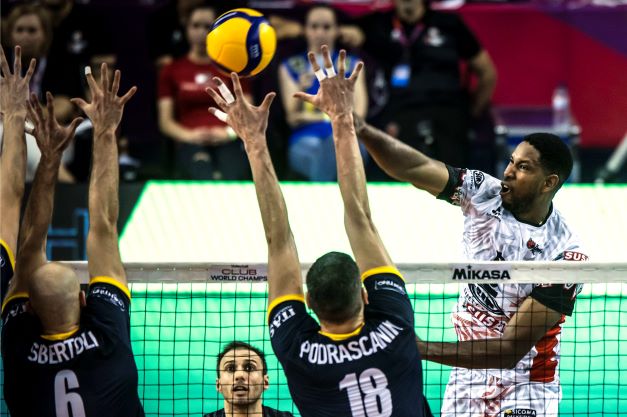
(54, 295)
(334, 287)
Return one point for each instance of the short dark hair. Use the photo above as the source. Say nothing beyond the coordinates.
(555, 157)
(237, 344)
(334, 287)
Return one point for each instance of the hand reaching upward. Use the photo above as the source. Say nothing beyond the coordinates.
(335, 96)
(14, 87)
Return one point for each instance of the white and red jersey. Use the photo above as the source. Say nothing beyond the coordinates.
(493, 233)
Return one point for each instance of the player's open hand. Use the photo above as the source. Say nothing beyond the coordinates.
(106, 107)
(52, 138)
(336, 93)
(13, 87)
(249, 122)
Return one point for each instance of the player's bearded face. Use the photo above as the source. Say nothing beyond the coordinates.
(241, 379)
(522, 179)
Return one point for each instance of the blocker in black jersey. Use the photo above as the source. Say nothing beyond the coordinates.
(373, 371)
(90, 372)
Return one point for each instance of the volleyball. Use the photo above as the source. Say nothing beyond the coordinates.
(241, 41)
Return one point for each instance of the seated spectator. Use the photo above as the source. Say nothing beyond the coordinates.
(242, 379)
(310, 150)
(30, 27)
(206, 148)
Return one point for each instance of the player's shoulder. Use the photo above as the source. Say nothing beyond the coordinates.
(558, 227)
(109, 290)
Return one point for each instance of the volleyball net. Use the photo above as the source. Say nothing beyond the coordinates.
(182, 315)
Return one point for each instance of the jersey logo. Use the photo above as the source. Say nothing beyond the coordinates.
(516, 412)
(478, 178)
(534, 247)
(281, 317)
(485, 294)
(497, 213)
(389, 285)
(2, 262)
(434, 37)
(574, 256)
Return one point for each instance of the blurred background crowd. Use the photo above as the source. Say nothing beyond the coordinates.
(461, 82)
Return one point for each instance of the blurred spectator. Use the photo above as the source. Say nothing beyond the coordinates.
(420, 51)
(311, 151)
(206, 148)
(30, 27)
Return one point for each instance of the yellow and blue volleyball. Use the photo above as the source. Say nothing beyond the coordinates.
(241, 41)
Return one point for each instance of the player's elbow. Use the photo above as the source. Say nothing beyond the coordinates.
(511, 353)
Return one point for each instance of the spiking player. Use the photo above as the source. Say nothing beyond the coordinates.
(362, 360)
(65, 354)
(508, 350)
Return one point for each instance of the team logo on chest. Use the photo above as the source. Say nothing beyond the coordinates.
(533, 247)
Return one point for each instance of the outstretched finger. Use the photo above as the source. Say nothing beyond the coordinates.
(267, 101)
(328, 62)
(309, 98)
(4, 65)
(34, 102)
(104, 77)
(217, 98)
(79, 102)
(341, 66)
(17, 62)
(116, 82)
(130, 93)
(358, 68)
(50, 108)
(72, 127)
(31, 109)
(93, 85)
(237, 86)
(219, 114)
(224, 91)
(31, 70)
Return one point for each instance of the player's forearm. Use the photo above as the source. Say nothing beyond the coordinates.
(472, 354)
(350, 170)
(13, 160)
(174, 130)
(38, 213)
(395, 157)
(269, 197)
(103, 183)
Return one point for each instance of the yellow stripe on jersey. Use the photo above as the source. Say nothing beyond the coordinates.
(13, 297)
(381, 270)
(342, 336)
(59, 336)
(282, 299)
(8, 249)
(111, 281)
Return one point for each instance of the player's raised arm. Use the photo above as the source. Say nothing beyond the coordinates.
(13, 100)
(335, 97)
(105, 111)
(401, 161)
(52, 139)
(250, 123)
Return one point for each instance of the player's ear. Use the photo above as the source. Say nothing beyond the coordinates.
(551, 182)
(364, 295)
(218, 385)
(82, 299)
(266, 382)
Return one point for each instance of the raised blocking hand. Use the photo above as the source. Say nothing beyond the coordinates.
(106, 108)
(13, 87)
(335, 96)
(52, 138)
(249, 122)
